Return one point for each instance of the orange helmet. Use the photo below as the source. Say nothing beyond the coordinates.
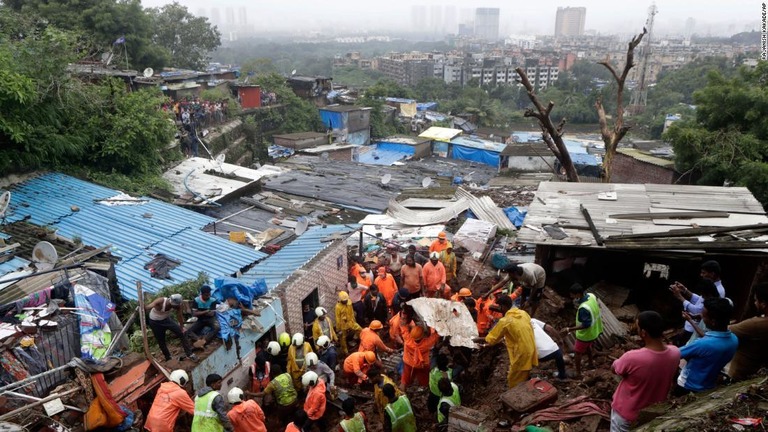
(441, 235)
(370, 356)
(417, 333)
(465, 292)
(376, 325)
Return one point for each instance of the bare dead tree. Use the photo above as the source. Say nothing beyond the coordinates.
(553, 135)
(612, 136)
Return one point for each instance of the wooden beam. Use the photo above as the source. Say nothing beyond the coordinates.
(672, 215)
(591, 224)
(690, 232)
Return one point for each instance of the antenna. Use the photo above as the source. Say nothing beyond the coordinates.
(386, 178)
(44, 256)
(426, 181)
(5, 201)
(302, 224)
(148, 72)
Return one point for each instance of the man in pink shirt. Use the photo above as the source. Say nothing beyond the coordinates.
(434, 276)
(647, 373)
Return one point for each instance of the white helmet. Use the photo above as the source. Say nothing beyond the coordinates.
(311, 359)
(309, 379)
(323, 341)
(273, 348)
(235, 395)
(179, 377)
(320, 311)
(298, 339)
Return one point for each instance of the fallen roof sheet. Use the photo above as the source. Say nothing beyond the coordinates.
(440, 133)
(421, 218)
(485, 209)
(414, 203)
(136, 232)
(12, 265)
(448, 318)
(278, 267)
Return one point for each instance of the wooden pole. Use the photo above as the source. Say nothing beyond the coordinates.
(125, 328)
(143, 322)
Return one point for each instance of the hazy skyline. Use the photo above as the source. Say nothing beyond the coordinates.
(605, 16)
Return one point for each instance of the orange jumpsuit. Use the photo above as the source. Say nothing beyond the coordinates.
(355, 362)
(416, 358)
(247, 416)
(387, 287)
(370, 341)
(169, 400)
(315, 403)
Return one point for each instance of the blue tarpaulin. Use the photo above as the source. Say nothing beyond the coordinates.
(332, 119)
(230, 322)
(397, 147)
(516, 215)
(426, 106)
(231, 287)
(95, 334)
(400, 100)
(477, 155)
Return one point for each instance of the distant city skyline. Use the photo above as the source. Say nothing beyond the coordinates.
(676, 17)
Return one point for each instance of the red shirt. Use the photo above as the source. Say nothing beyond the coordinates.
(646, 377)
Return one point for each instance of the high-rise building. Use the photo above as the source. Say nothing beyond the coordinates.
(215, 17)
(230, 14)
(436, 19)
(242, 17)
(570, 21)
(449, 20)
(690, 26)
(418, 18)
(487, 23)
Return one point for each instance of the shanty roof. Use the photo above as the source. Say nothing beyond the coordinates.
(344, 108)
(532, 149)
(647, 158)
(300, 135)
(13, 265)
(440, 133)
(136, 228)
(278, 267)
(650, 216)
(403, 139)
(479, 143)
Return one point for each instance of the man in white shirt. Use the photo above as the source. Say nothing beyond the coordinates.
(547, 348)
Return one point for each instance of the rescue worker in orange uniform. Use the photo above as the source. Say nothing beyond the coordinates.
(400, 323)
(314, 404)
(171, 398)
(461, 295)
(356, 366)
(416, 356)
(370, 339)
(440, 244)
(434, 277)
(298, 423)
(245, 415)
(387, 285)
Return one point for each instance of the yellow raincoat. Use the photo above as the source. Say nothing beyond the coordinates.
(297, 369)
(317, 330)
(346, 324)
(516, 331)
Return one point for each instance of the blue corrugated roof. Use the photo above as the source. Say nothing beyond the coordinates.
(4, 236)
(14, 264)
(134, 231)
(278, 267)
(382, 157)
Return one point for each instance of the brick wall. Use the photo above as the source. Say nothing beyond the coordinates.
(627, 169)
(322, 273)
(341, 155)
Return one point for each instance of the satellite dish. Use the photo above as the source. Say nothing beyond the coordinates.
(293, 72)
(426, 182)
(44, 255)
(302, 224)
(148, 72)
(386, 178)
(220, 160)
(5, 201)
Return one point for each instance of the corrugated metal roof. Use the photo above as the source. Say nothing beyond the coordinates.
(135, 231)
(645, 157)
(12, 265)
(440, 133)
(378, 156)
(278, 267)
(485, 209)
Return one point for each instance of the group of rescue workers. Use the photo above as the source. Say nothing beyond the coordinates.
(295, 376)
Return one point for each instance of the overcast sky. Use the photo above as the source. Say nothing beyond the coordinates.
(716, 17)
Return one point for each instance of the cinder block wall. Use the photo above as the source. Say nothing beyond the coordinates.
(627, 169)
(322, 273)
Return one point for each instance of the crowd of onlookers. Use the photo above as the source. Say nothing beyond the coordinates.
(194, 115)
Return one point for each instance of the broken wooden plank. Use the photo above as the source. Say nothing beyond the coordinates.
(690, 232)
(591, 224)
(671, 215)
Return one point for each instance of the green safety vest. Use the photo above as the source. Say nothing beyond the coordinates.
(592, 332)
(285, 393)
(206, 419)
(355, 424)
(434, 377)
(401, 415)
(452, 400)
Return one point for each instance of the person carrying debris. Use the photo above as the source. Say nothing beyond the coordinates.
(375, 305)
(323, 326)
(380, 401)
(706, 357)
(400, 417)
(356, 366)
(448, 258)
(515, 330)
(753, 339)
(204, 309)
(170, 399)
(284, 393)
(532, 277)
(440, 244)
(547, 348)
(416, 353)
(370, 339)
(646, 373)
(245, 415)
(326, 351)
(314, 404)
(296, 354)
(434, 277)
(441, 370)
(210, 408)
(353, 421)
(399, 324)
(412, 277)
(589, 325)
(346, 325)
(386, 285)
(160, 321)
(450, 397)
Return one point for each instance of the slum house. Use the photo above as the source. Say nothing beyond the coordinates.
(315, 89)
(348, 124)
(639, 239)
(494, 134)
(635, 166)
(416, 147)
(478, 150)
(529, 157)
(441, 138)
(301, 140)
(248, 95)
(337, 151)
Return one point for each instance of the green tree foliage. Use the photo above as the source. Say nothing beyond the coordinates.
(728, 141)
(188, 39)
(258, 66)
(297, 115)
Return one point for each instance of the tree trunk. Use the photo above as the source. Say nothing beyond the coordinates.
(552, 135)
